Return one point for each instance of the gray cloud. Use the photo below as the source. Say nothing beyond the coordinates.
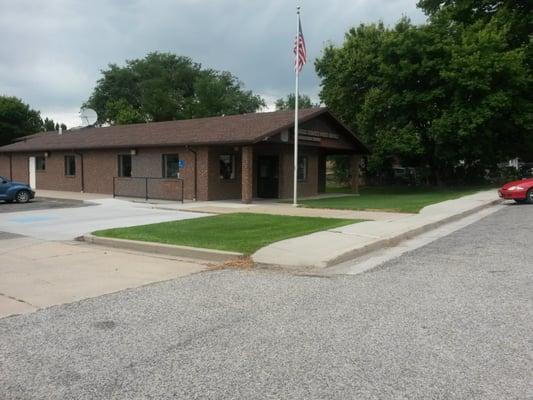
(52, 51)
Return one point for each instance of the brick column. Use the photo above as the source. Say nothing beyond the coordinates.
(247, 174)
(354, 172)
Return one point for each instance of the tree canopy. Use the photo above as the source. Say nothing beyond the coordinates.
(453, 92)
(287, 103)
(164, 86)
(17, 119)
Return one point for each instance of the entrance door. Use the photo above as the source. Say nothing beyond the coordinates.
(267, 179)
(31, 169)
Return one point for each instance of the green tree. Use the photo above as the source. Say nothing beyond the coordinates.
(441, 94)
(17, 119)
(221, 93)
(162, 87)
(287, 103)
(49, 125)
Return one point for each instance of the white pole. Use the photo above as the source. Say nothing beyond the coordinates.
(296, 96)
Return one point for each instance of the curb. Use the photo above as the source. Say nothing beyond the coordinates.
(164, 249)
(384, 243)
(390, 242)
(69, 201)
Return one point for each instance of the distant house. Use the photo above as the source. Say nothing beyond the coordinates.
(234, 157)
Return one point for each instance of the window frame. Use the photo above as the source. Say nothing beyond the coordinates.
(120, 172)
(305, 168)
(37, 159)
(233, 164)
(67, 164)
(164, 162)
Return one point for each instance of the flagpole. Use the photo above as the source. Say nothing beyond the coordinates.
(296, 98)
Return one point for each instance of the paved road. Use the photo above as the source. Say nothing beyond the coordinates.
(451, 320)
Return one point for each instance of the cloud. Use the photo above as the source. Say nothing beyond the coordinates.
(52, 52)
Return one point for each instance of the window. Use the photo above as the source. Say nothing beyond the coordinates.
(302, 168)
(70, 165)
(124, 165)
(227, 166)
(40, 163)
(171, 166)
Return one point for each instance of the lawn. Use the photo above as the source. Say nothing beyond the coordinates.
(240, 232)
(396, 199)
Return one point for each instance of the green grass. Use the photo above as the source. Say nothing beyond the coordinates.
(240, 232)
(395, 199)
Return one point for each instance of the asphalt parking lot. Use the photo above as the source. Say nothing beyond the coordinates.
(39, 204)
(451, 320)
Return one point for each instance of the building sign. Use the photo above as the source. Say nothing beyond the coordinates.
(315, 136)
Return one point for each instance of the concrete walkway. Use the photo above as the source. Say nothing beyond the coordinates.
(216, 207)
(259, 206)
(331, 247)
(57, 194)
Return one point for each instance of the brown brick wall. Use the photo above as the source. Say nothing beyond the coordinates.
(220, 189)
(148, 162)
(203, 176)
(54, 178)
(307, 188)
(100, 166)
(247, 169)
(4, 166)
(20, 168)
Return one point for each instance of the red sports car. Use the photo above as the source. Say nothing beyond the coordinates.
(520, 191)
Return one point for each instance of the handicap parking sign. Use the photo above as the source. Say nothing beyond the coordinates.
(181, 164)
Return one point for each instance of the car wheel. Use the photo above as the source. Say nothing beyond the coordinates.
(529, 196)
(23, 196)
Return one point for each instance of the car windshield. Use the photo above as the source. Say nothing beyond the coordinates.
(2, 179)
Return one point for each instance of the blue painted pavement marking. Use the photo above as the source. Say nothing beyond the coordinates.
(32, 218)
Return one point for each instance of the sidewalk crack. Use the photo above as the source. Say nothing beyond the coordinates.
(19, 300)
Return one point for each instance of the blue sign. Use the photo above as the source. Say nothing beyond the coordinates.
(181, 164)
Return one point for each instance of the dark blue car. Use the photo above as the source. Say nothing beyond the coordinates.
(15, 191)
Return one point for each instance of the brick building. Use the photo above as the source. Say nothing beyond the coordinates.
(233, 157)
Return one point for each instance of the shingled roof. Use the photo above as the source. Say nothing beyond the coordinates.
(234, 129)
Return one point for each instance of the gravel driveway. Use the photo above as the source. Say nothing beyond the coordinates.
(451, 320)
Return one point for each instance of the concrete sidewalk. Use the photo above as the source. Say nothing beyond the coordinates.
(62, 195)
(259, 206)
(331, 247)
(276, 208)
(36, 273)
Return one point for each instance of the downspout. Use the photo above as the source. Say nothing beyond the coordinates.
(195, 169)
(81, 171)
(10, 166)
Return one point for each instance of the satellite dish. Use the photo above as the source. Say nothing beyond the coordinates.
(88, 116)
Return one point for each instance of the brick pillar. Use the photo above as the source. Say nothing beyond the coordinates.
(247, 174)
(354, 172)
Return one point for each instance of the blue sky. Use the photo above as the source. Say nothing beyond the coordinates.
(53, 50)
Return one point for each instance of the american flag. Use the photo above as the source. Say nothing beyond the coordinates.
(300, 51)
